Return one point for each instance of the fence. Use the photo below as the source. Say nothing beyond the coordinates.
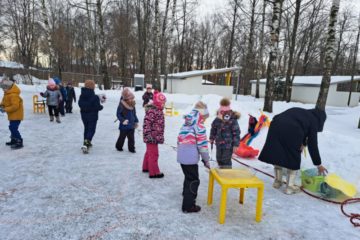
(75, 78)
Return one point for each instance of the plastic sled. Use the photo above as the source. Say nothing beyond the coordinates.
(340, 184)
(246, 151)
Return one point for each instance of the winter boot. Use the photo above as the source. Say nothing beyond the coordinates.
(58, 119)
(51, 118)
(193, 209)
(291, 188)
(87, 143)
(160, 175)
(18, 144)
(278, 177)
(12, 142)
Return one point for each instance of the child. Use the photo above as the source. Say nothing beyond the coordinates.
(63, 94)
(71, 96)
(225, 132)
(148, 95)
(12, 104)
(90, 106)
(126, 113)
(153, 134)
(192, 145)
(53, 98)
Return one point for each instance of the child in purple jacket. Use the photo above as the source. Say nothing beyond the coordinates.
(193, 144)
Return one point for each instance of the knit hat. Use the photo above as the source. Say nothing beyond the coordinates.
(202, 108)
(90, 84)
(127, 94)
(159, 99)
(148, 86)
(51, 83)
(57, 80)
(6, 84)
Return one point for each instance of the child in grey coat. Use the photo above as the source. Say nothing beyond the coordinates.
(53, 98)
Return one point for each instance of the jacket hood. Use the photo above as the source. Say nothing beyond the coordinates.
(87, 92)
(320, 116)
(13, 90)
(192, 118)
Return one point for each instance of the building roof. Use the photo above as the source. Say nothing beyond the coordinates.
(314, 80)
(196, 73)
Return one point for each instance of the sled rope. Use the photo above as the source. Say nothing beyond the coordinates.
(354, 217)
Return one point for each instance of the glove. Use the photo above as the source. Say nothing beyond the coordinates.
(2, 110)
(322, 170)
(42, 94)
(206, 164)
(126, 122)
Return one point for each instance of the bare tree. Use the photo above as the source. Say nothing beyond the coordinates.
(261, 54)
(329, 56)
(250, 56)
(353, 68)
(232, 34)
(155, 77)
(275, 30)
(290, 67)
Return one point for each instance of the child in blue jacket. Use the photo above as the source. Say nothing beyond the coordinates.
(90, 106)
(126, 113)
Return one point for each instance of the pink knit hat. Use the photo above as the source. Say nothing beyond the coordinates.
(148, 86)
(127, 94)
(159, 99)
(51, 83)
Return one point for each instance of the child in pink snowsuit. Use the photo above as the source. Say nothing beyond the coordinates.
(153, 134)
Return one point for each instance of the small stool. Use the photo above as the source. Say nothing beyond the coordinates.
(235, 178)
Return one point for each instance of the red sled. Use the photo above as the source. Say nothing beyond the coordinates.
(246, 151)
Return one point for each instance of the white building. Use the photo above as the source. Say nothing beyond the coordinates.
(192, 82)
(306, 90)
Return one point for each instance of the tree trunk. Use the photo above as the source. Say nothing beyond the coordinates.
(329, 56)
(163, 43)
(249, 70)
(104, 70)
(290, 70)
(353, 69)
(181, 49)
(275, 32)
(257, 94)
(47, 30)
(170, 40)
(232, 35)
(155, 77)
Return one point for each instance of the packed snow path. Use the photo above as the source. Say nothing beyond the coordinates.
(50, 190)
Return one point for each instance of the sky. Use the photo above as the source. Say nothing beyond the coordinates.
(210, 6)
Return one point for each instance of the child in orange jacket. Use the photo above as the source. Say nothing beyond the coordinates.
(12, 104)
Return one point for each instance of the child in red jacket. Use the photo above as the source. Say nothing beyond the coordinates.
(153, 134)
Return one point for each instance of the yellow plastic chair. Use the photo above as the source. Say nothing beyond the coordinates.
(38, 106)
(169, 109)
(235, 178)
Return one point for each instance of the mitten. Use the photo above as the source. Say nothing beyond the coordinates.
(206, 164)
(2, 110)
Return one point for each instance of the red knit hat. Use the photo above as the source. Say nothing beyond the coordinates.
(159, 99)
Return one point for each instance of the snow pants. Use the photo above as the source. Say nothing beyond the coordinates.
(223, 157)
(130, 135)
(14, 129)
(89, 129)
(151, 157)
(191, 185)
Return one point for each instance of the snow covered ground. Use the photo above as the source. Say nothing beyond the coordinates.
(50, 190)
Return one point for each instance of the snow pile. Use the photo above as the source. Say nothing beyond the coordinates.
(50, 190)
(28, 80)
(9, 64)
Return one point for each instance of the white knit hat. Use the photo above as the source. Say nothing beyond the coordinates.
(6, 84)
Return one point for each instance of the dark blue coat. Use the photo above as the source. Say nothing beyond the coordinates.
(288, 131)
(89, 104)
(123, 113)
